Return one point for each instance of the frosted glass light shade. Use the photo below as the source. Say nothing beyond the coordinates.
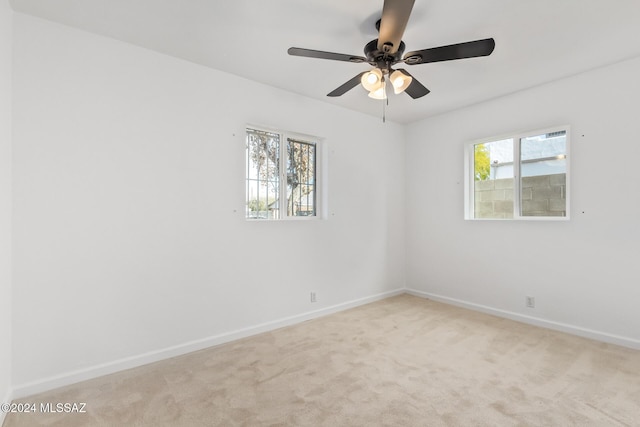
(399, 81)
(372, 80)
(379, 93)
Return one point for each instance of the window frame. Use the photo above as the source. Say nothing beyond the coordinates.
(516, 137)
(284, 137)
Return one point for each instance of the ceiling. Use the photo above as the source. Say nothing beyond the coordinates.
(537, 41)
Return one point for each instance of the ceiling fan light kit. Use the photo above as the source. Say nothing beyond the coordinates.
(388, 49)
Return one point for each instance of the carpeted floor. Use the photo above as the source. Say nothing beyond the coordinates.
(404, 361)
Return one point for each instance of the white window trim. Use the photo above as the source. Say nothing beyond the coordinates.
(469, 193)
(319, 169)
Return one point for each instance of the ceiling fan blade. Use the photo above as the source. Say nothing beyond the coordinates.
(447, 53)
(395, 15)
(309, 53)
(415, 89)
(347, 86)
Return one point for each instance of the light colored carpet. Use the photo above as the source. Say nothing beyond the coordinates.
(404, 361)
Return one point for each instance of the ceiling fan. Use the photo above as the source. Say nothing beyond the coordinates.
(387, 50)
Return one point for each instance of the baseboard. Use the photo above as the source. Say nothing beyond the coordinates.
(68, 378)
(531, 320)
(7, 399)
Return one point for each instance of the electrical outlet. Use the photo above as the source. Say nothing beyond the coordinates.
(313, 297)
(530, 302)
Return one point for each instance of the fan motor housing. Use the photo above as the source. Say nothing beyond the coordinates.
(382, 59)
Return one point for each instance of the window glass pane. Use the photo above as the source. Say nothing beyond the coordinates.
(301, 178)
(543, 171)
(263, 157)
(493, 179)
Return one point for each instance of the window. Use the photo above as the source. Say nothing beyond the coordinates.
(523, 176)
(281, 175)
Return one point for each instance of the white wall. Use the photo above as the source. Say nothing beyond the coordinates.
(5, 200)
(583, 273)
(129, 193)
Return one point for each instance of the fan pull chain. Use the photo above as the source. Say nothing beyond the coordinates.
(385, 102)
(383, 112)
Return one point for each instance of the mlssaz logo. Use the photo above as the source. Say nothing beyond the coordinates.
(67, 408)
